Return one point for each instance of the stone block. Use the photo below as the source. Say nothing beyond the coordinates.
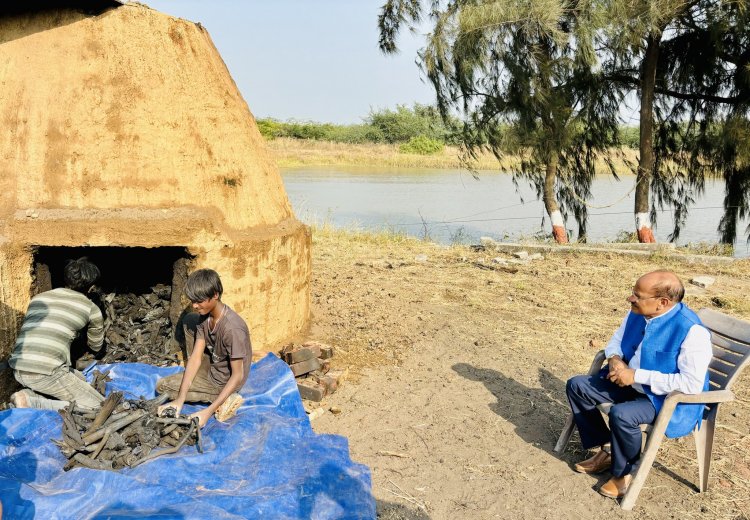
(702, 281)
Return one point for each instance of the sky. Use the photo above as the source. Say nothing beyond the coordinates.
(308, 60)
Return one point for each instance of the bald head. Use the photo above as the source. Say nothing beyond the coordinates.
(663, 284)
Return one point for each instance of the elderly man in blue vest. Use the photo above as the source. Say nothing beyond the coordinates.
(660, 347)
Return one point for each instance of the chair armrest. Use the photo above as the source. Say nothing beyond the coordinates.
(712, 396)
(598, 362)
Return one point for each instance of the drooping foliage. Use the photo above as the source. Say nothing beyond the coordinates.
(522, 75)
(704, 107)
(546, 78)
(700, 100)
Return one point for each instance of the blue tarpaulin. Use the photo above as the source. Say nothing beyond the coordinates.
(264, 463)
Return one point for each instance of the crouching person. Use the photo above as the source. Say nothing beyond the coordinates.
(41, 355)
(223, 334)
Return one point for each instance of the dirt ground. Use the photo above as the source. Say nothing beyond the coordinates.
(457, 391)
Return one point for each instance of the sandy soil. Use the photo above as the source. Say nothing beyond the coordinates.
(457, 394)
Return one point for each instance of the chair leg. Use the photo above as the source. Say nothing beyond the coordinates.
(704, 442)
(567, 432)
(644, 466)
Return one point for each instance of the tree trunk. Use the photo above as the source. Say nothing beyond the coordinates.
(647, 159)
(550, 202)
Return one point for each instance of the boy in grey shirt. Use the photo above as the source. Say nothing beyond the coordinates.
(224, 335)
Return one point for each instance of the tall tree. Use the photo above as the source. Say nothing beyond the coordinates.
(521, 75)
(688, 61)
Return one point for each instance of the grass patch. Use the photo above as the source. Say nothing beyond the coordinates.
(326, 231)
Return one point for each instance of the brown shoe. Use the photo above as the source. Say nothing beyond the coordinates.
(616, 487)
(601, 461)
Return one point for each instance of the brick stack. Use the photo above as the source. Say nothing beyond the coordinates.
(311, 365)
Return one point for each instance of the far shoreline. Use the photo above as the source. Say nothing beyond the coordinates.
(300, 153)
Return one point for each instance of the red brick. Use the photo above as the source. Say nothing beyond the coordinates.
(299, 355)
(304, 367)
(318, 348)
(310, 390)
(330, 384)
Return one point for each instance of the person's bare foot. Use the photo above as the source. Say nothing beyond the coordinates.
(19, 399)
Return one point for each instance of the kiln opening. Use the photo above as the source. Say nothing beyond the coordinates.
(139, 294)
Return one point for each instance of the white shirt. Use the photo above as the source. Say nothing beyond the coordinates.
(692, 361)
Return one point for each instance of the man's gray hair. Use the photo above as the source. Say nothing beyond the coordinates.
(669, 286)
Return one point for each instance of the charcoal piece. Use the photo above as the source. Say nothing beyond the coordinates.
(115, 442)
(105, 410)
(100, 381)
(90, 463)
(115, 338)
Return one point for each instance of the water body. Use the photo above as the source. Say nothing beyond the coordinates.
(451, 206)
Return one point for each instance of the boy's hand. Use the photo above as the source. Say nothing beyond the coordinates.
(174, 404)
(203, 416)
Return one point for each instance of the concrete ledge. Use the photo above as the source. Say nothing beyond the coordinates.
(642, 250)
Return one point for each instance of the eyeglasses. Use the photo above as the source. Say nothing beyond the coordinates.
(639, 298)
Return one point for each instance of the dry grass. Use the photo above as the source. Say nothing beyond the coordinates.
(591, 285)
(379, 301)
(294, 153)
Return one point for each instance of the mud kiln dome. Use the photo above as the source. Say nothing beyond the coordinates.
(123, 129)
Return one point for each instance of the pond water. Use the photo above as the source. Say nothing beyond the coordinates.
(451, 206)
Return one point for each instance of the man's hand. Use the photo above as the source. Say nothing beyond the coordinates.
(623, 377)
(174, 404)
(615, 365)
(203, 416)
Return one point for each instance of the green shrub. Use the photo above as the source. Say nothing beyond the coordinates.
(630, 136)
(354, 134)
(270, 129)
(400, 125)
(383, 126)
(421, 145)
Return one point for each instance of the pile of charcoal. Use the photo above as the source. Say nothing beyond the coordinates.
(138, 328)
(123, 433)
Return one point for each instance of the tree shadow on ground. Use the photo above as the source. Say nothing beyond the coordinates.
(393, 511)
(537, 413)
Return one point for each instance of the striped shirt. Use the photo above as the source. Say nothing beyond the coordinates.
(50, 326)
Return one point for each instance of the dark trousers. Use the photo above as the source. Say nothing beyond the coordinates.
(631, 409)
